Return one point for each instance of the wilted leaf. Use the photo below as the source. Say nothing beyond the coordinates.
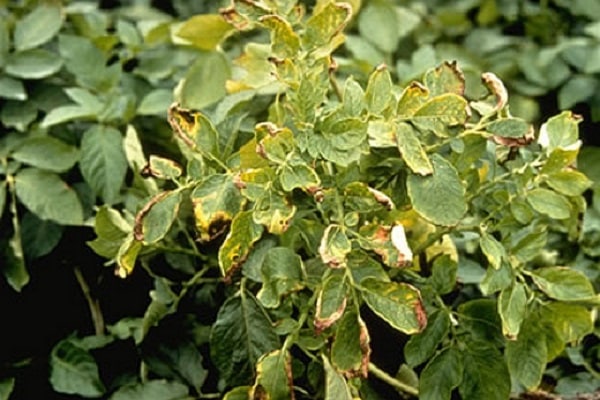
(399, 304)
(194, 128)
(388, 242)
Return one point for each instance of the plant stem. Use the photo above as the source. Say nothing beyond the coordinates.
(93, 304)
(384, 376)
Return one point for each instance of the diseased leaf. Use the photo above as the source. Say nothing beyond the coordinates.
(399, 304)
(47, 196)
(336, 387)
(274, 376)
(378, 94)
(440, 197)
(493, 249)
(74, 371)
(162, 168)
(350, 351)
(281, 274)
(244, 232)
(241, 334)
(331, 301)
(334, 246)
(284, 41)
(325, 25)
(569, 182)
(103, 163)
(274, 212)
(127, 256)
(154, 220)
(560, 132)
(509, 128)
(194, 129)
(563, 283)
(441, 112)
(422, 346)
(441, 375)
(216, 201)
(512, 304)
(446, 78)
(411, 99)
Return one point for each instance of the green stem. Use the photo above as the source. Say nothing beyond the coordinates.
(384, 376)
(93, 304)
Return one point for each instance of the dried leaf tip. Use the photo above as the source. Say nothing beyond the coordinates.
(401, 244)
(497, 88)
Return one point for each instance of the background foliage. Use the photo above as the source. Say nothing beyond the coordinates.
(86, 145)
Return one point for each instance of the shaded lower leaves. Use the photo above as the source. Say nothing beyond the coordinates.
(241, 334)
(442, 375)
(485, 373)
(74, 371)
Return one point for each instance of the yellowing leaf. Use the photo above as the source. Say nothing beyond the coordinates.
(205, 31)
(334, 246)
(194, 129)
(235, 249)
(331, 301)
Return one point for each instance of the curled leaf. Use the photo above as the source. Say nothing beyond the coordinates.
(497, 88)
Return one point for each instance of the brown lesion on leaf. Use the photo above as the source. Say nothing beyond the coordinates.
(181, 121)
(515, 142)
(497, 88)
(138, 228)
(420, 313)
(322, 323)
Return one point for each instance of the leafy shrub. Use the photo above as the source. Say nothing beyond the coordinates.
(311, 214)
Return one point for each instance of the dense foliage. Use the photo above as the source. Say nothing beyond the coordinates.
(319, 200)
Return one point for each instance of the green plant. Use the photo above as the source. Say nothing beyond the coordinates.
(344, 198)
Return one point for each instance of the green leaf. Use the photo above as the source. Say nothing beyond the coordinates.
(485, 373)
(38, 27)
(560, 132)
(382, 134)
(154, 220)
(216, 201)
(46, 152)
(47, 196)
(239, 393)
(526, 356)
(235, 249)
(528, 243)
(440, 197)
(6, 387)
(411, 150)
(18, 115)
(572, 322)
(111, 230)
(176, 361)
(281, 273)
(578, 89)
(441, 375)
(87, 62)
(103, 163)
(4, 41)
(492, 249)
(350, 349)
(285, 43)
(399, 304)
(39, 237)
(378, 94)
(74, 371)
(336, 387)
(509, 128)
(354, 98)
(12, 89)
(331, 301)
(563, 283)
(241, 334)
(443, 274)
(422, 346)
(274, 376)
(205, 31)
(204, 82)
(378, 23)
(512, 304)
(33, 64)
(63, 114)
(558, 160)
(156, 102)
(297, 174)
(569, 182)
(480, 318)
(549, 203)
(496, 279)
(334, 246)
(152, 390)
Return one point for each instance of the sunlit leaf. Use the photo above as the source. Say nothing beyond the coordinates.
(205, 31)
(28, 31)
(411, 150)
(563, 283)
(47, 153)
